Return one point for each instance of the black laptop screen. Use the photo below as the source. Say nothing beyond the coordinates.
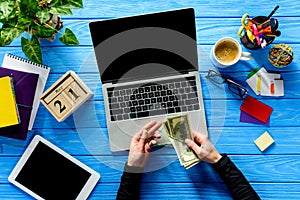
(145, 46)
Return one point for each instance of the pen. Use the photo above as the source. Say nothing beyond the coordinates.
(270, 15)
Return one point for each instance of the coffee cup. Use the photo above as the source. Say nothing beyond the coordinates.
(227, 51)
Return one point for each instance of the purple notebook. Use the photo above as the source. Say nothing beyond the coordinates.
(25, 86)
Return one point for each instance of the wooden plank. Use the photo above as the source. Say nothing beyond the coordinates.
(256, 168)
(94, 141)
(208, 30)
(210, 90)
(161, 191)
(92, 114)
(183, 191)
(229, 8)
(81, 59)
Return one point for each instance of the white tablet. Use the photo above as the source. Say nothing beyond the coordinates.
(47, 172)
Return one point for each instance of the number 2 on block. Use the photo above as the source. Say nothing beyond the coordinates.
(61, 107)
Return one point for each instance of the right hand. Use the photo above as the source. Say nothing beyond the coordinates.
(204, 148)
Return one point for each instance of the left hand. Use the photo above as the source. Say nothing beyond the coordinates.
(141, 144)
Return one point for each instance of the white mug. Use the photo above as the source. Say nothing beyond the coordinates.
(226, 52)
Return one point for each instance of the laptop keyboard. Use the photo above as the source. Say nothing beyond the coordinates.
(151, 99)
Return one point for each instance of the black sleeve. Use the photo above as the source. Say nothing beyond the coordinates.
(234, 179)
(129, 188)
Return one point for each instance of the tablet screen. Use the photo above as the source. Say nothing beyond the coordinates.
(51, 175)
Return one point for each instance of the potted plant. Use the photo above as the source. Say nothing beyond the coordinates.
(40, 19)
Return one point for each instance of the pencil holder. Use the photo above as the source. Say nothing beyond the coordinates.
(258, 32)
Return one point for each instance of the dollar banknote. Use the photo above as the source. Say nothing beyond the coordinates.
(178, 129)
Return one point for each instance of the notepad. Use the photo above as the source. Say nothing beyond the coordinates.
(244, 117)
(25, 86)
(256, 109)
(9, 114)
(264, 83)
(17, 63)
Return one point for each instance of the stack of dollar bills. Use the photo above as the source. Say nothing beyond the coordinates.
(178, 129)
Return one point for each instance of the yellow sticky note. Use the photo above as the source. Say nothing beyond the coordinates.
(264, 141)
(9, 114)
(258, 86)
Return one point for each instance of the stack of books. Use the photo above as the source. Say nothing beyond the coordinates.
(21, 84)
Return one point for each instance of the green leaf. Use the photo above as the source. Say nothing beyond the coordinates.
(66, 3)
(32, 49)
(73, 4)
(56, 3)
(69, 38)
(24, 21)
(43, 15)
(29, 7)
(10, 23)
(7, 35)
(61, 11)
(44, 31)
(6, 9)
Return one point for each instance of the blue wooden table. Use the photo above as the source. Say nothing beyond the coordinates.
(274, 174)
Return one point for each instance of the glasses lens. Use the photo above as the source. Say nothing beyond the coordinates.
(215, 77)
(238, 90)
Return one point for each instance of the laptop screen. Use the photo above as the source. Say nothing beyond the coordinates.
(145, 46)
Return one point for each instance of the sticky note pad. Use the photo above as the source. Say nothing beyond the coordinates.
(9, 114)
(264, 141)
(256, 109)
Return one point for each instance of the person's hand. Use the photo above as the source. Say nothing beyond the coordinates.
(141, 144)
(203, 148)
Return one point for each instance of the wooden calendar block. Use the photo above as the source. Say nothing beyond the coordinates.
(65, 96)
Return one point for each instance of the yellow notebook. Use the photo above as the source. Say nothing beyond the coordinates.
(9, 114)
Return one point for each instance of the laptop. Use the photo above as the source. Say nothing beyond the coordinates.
(148, 66)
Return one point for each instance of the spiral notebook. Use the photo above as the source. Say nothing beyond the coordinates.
(17, 63)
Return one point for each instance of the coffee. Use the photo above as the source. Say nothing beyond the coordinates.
(226, 52)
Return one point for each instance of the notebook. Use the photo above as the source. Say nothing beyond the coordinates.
(17, 63)
(256, 109)
(9, 114)
(148, 66)
(25, 86)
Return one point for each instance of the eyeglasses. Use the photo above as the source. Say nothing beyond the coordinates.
(232, 86)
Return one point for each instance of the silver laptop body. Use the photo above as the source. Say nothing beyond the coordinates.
(149, 71)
